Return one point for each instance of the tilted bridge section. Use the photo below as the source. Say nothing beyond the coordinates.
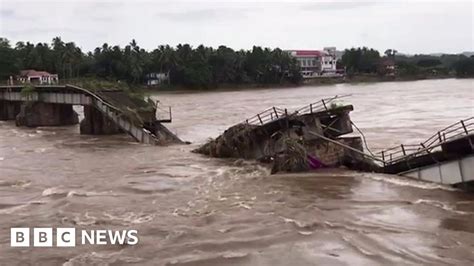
(105, 111)
(446, 157)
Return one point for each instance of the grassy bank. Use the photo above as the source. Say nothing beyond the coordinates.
(310, 82)
(144, 90)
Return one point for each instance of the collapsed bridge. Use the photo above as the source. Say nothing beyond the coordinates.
(106, 111)
(446, 157)
(311, 137)
(288, 138)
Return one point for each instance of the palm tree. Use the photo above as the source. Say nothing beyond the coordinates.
(135, 57)
(58, 51)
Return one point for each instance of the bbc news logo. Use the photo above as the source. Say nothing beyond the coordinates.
(66, 237)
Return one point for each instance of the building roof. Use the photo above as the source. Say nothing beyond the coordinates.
(34, 73)
(309, 52)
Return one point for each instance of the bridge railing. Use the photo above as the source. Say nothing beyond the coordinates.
(267, 116)
(274, 113)
(133, 130)
(163, 112)
(321, 105)
(404, 151)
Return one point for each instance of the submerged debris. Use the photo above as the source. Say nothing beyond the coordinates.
(235, 142)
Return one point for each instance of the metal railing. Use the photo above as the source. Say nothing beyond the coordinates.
(274, 113)
(163, 112)
(321, 105)
(267, 116)
(405, 151)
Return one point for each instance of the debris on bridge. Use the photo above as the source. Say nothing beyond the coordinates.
(295, 140)
(106, 111)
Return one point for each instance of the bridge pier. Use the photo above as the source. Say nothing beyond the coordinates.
(9, 110)
(106, 111)
(95, 123)
(33, 114)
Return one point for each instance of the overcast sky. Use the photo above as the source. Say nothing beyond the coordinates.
(408, 26)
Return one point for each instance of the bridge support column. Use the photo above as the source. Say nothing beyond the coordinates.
(9, 110)
(95, 123)
(33, 114)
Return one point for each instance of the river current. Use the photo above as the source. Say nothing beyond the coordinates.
(193, 210)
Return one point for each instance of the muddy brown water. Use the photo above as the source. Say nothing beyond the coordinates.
(193, 210)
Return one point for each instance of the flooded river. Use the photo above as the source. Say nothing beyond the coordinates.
(193, 210)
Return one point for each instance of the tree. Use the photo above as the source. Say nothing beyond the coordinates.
(465, 67)
(8, 65)
(390, 53)
(136, 61)
(361, 60)
(429, 62)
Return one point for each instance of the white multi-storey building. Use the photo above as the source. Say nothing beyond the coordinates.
(328, 65)
(316, 63)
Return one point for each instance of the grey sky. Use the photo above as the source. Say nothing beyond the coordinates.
(408, 26)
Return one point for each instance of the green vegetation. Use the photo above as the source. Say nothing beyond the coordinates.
(206, 67)
(27, 91)
(427, 65)
(465, 67)
(365, 61)
(97, 84)
(360, 60)
(201, 67)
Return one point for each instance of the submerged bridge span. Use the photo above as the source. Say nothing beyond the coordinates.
(105, 111)
(446, 157)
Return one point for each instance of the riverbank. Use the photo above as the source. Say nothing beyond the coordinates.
(144, 89)
(309, 82)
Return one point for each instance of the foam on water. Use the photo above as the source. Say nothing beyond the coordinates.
(443, 205)
(61, 191)
(101, 258)
(406, 181)
(130, 217)
(20, 207)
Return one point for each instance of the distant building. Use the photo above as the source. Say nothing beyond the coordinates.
(387, 66)
(37, 77)
(154, 79)
(309, 61)
(328, 64)
(316, 63)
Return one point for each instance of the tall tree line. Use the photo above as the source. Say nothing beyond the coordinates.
(367, 61)
(187, 66)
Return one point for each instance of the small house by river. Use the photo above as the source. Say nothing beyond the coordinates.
(37, 77)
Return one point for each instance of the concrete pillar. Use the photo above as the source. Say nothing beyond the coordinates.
(33, 114)
(95, 123)
(9, 110)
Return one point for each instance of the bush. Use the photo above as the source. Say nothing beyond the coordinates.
(465, 67)
(27, 91)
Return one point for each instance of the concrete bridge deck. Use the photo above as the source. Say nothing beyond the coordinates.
(447, 157)
(106, 111)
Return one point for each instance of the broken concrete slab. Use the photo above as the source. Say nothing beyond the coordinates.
(290, 139)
